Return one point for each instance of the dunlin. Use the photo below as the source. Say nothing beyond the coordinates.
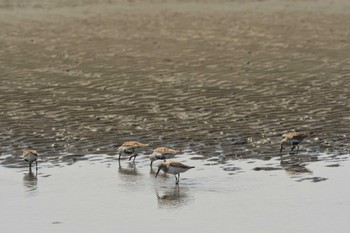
(293, 139)
(130, 148)
(162, 153)
(30, 156)
(173, 167)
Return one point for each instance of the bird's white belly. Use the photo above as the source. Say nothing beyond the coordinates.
(30, 158)
(176, 170)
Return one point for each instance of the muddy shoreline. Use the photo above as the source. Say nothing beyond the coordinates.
(218, 78)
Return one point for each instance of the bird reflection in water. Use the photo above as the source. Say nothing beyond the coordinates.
(130, 169)
(30, 181)
(172, 197)
(153, 171)
(294, 166)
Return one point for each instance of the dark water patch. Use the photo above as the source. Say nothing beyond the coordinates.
(56, 222)
(313, 179)
(266, 168)
(211, 164)
(197, 158)
(333, 165)
(297, 169)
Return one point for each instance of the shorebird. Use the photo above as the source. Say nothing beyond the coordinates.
(30, 156)
(294, 139)
(129, 148)
(162, 153)
(174, 168)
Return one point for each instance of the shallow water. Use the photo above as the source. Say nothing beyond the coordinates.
(98, 195)
(219, 80)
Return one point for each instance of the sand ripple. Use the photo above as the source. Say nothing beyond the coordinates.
(225, 83)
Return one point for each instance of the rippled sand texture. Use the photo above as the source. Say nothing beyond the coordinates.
(222, 78)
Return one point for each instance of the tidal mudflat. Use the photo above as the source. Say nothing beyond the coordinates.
(219, 80)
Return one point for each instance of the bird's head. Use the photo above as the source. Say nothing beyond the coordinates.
(120, 149)
(160, 167)
(152, 157)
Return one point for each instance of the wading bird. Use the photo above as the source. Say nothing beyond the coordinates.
(130, 149)
(30, 156)
(294, 139)
(162, 153)
(173, 167)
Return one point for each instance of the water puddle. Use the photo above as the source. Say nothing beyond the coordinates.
(227, 195)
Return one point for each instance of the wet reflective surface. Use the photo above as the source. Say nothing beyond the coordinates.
(219, 80)
(97, 192)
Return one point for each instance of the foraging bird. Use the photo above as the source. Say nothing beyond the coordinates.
(162, 153)
(129, 148)
(294, 139)
(30, 156)
(174, 168)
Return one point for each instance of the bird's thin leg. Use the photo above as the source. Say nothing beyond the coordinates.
(176, 181)
(119, 156)
(297, 149)
(130, 151)
(36, 164)
(133, 155)
(281, 150)
(177, 178)
(151, 164)
(292, 148)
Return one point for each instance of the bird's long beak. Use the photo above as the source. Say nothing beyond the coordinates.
(157, 172)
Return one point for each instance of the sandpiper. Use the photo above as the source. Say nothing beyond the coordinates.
(30, 156)
(129, 148)
(174, 168)
(294, 139)
(162, 153)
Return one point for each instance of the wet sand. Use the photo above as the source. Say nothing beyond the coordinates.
(219, 80)
(203, 77)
